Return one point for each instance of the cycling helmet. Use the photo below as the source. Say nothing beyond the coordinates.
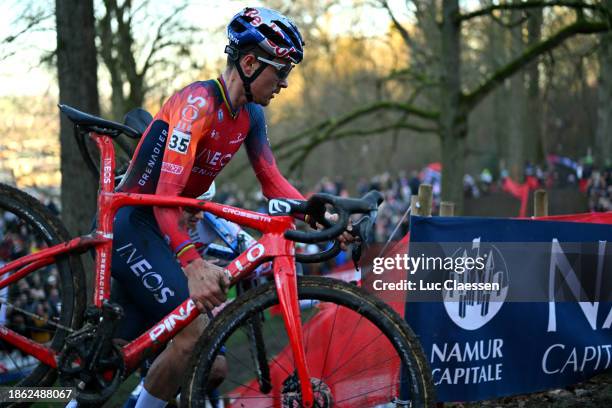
(267, 29)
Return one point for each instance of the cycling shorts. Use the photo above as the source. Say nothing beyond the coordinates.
(148, 281)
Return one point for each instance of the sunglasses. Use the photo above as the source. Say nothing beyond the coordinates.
(282, 70)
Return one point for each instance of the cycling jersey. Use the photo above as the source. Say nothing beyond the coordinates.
(191, 139)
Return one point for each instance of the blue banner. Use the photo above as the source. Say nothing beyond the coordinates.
(483, 345)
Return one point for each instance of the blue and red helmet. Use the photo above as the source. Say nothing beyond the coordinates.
(269, 30)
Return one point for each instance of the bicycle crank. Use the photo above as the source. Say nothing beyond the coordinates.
(93, 384)
(90, 362)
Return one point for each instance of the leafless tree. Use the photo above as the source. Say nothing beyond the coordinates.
(435, 51)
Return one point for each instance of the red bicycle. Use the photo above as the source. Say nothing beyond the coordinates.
(323, 342)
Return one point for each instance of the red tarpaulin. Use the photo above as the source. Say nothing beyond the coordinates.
(521, 191)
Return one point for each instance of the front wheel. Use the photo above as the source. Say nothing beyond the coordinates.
(359, 351)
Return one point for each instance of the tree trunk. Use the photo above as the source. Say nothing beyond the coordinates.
(497, 54)
(78, 87)
(603, 134)
(453, 167)
(533, 147)
(517, 107)
(453, 121)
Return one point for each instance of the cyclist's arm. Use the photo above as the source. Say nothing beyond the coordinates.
(179, 157)
(273, 184)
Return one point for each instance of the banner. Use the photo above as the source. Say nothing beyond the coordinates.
(484, 343)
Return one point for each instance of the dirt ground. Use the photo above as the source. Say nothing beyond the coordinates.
(594, 393)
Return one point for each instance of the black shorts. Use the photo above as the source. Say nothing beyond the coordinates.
(148, 281)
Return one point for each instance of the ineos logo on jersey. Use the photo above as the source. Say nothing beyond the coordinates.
(276, 206)
(190, 112)
(215, 158)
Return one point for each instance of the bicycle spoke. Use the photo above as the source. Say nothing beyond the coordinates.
(245, 386)
(352, 336)
(234, 357)
(354, 355)
(360, 371)
(331, 336)
(366, 393)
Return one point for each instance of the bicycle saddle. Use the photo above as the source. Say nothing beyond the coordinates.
(93, 123)
(138, 119)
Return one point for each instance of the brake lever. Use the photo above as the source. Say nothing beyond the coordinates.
(356, 255)
(362, 231)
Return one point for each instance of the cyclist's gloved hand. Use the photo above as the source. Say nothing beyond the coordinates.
(346, 237)
(207, 284)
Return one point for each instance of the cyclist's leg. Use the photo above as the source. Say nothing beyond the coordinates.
(143, 262)
(134, 322)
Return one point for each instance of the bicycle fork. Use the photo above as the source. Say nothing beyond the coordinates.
(285, 279)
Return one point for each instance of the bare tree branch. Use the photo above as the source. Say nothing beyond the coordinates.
(395, 126)
(580, 27)
(529, 4)
(330, 125)
(404, 33)
(411, 74)
(160, 34)
(304, 151)
(33, 20)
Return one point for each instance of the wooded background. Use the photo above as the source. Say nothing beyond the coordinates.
(472, 84)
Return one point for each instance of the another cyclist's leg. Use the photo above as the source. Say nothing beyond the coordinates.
(131, 326)
(143, 262)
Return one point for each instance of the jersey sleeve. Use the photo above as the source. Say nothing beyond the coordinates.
(189, 117)
(273, 184)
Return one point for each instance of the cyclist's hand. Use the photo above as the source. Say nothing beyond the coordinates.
(207, 284)
(346, 237)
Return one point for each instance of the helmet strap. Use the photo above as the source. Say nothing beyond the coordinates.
(235, 55)
(246, 81)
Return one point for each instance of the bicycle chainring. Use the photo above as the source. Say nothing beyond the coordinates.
(92, 385)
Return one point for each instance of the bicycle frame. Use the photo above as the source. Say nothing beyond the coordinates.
(272, 246)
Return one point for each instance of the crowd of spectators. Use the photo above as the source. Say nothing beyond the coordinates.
(599, 190)
(397, 189)
(560, 172)
(38, 293)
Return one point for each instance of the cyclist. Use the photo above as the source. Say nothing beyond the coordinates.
(193, 136)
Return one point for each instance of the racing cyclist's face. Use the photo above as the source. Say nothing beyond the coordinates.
(269, 82)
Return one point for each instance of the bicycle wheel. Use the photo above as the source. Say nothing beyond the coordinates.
(355, 345)
(46, 304)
